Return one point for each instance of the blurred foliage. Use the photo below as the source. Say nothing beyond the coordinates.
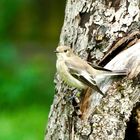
(27, 20)
(29, 32)
(25, 124)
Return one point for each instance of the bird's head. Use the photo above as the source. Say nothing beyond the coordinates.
(64, 51)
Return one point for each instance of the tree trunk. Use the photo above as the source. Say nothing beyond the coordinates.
(102, 32)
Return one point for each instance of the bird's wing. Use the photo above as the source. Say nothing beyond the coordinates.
(79, 73)
(83, 76)
(89, 82)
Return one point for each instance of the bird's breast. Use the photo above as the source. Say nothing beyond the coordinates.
(63, 71)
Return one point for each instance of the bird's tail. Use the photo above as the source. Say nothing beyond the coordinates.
(108, 71)
(117, 72)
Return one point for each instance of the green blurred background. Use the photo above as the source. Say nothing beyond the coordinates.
(29, 33)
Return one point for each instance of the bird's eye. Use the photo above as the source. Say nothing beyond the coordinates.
(65, 50)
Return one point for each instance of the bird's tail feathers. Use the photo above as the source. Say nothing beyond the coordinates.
(117, 72)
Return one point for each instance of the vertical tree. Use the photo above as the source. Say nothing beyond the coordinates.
(103, 32)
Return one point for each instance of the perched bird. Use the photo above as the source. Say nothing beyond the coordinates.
(77, 72)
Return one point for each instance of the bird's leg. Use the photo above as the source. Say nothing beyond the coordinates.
(73, 97)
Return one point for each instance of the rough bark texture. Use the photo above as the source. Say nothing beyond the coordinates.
(92, 28)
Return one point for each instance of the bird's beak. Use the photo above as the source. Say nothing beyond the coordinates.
(56, 51)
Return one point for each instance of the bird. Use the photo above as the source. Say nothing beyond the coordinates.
(79, 73)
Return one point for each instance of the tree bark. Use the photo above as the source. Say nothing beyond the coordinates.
(104, 32)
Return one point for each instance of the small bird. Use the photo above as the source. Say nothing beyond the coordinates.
(77, 72)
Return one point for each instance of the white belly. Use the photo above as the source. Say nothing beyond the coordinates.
(67, 77)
